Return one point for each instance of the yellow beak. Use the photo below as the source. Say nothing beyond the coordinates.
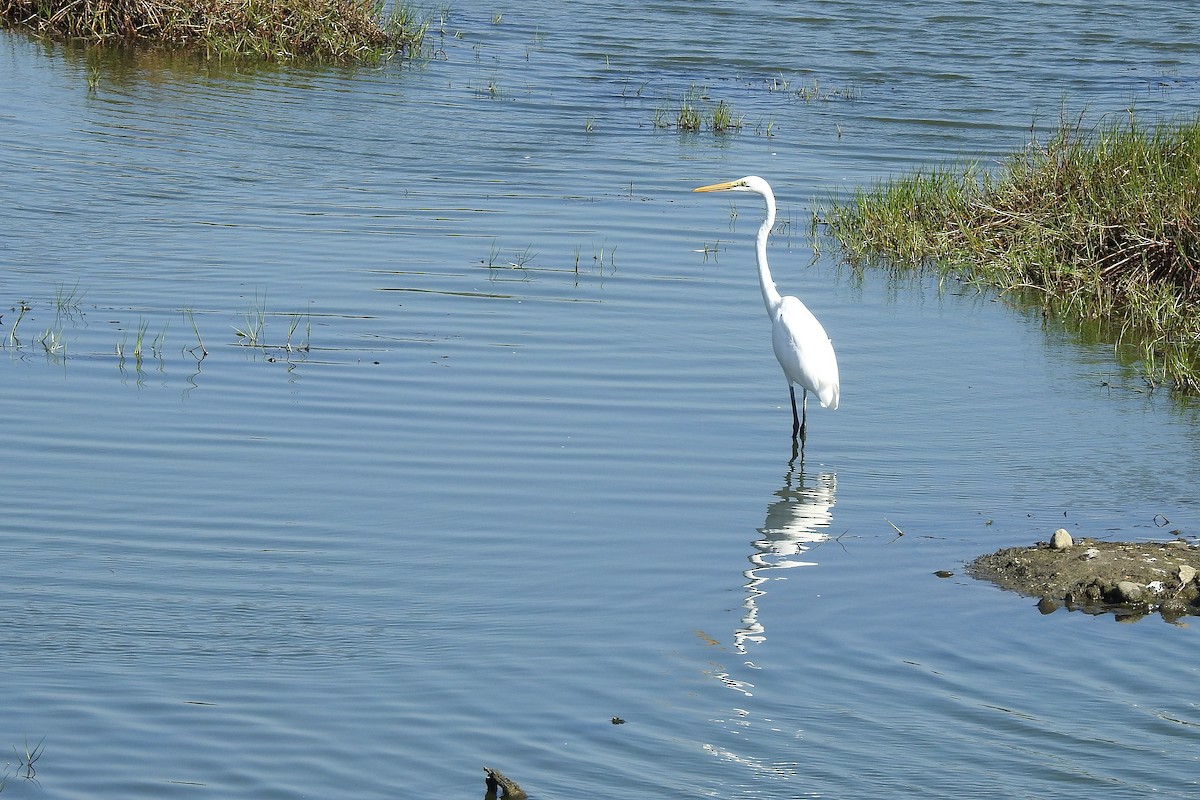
(717, 187)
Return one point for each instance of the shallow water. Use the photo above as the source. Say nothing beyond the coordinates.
(501, 452)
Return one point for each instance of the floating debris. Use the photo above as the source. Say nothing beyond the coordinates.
(507, 788)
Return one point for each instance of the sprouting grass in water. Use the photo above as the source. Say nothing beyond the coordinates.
(191, 318)
(493, 254)
(689, 117)
(27, 758)
(277, 30)
(142, 327)
(1100, 226)
(696, 112)
(293, 326)
(21, 309)
(710, 250)
(52, 342)
(250, 333)
(158, 344)
(601, 255)
(253, 331)
(723, 119)
(811, 90)
(67, 301)
(522, 257)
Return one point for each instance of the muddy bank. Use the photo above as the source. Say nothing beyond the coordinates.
(1128, 579)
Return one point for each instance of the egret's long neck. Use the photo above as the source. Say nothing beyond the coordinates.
(770, 294)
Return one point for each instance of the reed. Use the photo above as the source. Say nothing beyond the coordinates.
(1097, 225)
(277, 30)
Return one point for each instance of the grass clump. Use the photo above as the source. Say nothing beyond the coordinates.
(277, 30)
(1100, 225)
(697, 112)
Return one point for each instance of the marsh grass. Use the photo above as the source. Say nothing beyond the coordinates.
(27, 758)
(293, 327)
(695, 112)
(1096, 225)
(139, 342)
(20, 309)
(67, 301)
(190, 316)
(601, 255)
(811, 90)
(276, 30)
(52, 342)
(253, 330)
(254, 325)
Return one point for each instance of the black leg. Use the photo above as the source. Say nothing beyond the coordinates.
(797, 431)
(803, 414)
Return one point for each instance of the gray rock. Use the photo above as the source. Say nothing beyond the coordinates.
(1061, 540)
(1130, 592)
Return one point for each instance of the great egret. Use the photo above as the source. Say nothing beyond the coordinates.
(800, 342)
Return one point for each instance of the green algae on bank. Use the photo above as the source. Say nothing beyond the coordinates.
(1099, 226)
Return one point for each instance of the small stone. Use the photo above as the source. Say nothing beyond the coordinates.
(1129, 591)
(1061, 540)
(1048, 605)
(1187, 574)
(1173, 610)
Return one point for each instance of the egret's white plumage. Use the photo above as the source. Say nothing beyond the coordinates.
(800, 342)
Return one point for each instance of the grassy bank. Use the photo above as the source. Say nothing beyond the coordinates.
(278, 30)
(1098, 225)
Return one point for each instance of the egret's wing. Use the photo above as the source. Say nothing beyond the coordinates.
(804, 351)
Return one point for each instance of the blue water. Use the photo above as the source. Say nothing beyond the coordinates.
(454, 432)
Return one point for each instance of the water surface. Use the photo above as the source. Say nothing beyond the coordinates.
(501, 452)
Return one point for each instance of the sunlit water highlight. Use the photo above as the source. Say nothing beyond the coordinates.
(510, 457)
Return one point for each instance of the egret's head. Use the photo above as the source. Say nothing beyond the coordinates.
(750, 183)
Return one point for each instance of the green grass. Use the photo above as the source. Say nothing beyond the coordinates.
(811, 90)
(1099, 226)
(20, 309)
(696, 112)
(275, 30)
(252, 331)
(27, 758)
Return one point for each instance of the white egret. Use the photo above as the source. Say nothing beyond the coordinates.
(800, 342)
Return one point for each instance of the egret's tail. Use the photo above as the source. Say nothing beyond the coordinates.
(829, 396)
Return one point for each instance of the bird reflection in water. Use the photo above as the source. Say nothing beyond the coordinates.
(796, 522)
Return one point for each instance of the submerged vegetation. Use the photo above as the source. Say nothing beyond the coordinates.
(277, 30)
(1099, 226)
